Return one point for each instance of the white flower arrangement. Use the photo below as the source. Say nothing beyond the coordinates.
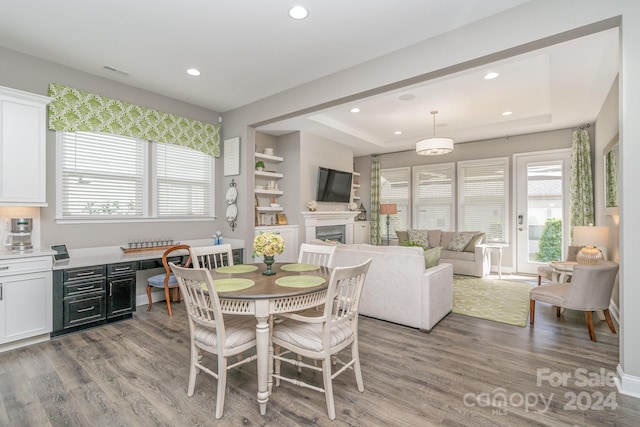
(268, 244)
(312, 205)
(353, 206)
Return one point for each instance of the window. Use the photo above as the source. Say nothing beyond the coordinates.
(394, 188)
(433, 199)
(483, 198)
(108, 177)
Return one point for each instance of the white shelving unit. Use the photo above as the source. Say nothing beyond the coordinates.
(262, 193)
(355, 187)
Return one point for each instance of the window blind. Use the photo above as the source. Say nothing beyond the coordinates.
(394, 188)
(434, 197)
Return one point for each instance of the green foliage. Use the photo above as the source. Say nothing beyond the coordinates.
(412, 243)
(550, 248)
(259, 164)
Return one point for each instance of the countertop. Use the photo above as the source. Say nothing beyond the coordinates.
(105, 254)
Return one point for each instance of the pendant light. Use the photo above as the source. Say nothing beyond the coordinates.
(434, 146)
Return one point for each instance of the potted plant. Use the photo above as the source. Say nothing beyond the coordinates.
(259, 165)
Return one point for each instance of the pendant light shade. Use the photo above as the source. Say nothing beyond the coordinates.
(434, 146)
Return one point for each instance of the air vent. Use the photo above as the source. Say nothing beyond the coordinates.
(115, 70)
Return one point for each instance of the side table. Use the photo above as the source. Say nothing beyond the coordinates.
(489, 247)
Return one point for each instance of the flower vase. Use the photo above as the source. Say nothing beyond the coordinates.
(268, 260)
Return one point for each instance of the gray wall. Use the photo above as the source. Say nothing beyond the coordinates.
(30, 74)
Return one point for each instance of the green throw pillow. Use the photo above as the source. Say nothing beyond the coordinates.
(413, 243)
(432, 257)
(475, 241)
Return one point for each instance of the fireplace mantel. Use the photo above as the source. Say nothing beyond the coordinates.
(323, 218)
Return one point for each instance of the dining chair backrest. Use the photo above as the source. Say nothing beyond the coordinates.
(591, 286)
(345, 287)
(316, 254)
(201, 300)
(167, 254)
(211, 257)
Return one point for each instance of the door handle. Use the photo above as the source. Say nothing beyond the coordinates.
(520, 219)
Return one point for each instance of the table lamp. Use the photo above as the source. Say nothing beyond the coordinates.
(592, 238)
(388, 209)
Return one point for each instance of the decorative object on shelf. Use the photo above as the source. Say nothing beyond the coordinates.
(312, 205)
(362, 216)
(282, 219)
(434, 146)
(232, 208)
(259, 165)
(142, 245)
(268, 245)
(352, 206)
(388, 209)
(592, 238)
(268, 151)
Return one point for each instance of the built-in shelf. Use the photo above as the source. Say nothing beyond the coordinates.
(268, 209)
(268, 157)
(270, 192)
(356, 197)
(269, 174)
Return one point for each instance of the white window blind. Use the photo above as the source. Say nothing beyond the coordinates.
(394, 188)
(183, 181)
(434, 197)
(483, 197)
(102, 175)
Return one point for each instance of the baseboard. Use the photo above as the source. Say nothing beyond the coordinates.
(627, 384)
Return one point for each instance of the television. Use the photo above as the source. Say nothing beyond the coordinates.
(333, 185)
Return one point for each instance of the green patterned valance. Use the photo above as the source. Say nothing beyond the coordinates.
(73, 110)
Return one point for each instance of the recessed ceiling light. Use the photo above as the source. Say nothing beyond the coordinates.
(355, 110)
(193, 72)
(398, 132)
(507, 113)
(491, 75)
(407, 97)
(298, 12)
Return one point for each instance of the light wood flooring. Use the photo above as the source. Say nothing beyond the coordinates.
(134, 373)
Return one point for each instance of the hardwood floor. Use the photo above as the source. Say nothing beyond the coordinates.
(134, 373)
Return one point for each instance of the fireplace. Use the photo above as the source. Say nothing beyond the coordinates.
(335, 233)
(331, 224)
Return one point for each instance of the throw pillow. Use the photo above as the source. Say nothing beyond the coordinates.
(420, 236)
(403, 236)
(412, 243)
(459, 241)
(432, 257)
(475, 241)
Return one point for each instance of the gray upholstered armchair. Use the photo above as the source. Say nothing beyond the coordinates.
(545, 271)
(590, 290)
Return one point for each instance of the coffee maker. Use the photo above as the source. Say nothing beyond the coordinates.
(19, 239)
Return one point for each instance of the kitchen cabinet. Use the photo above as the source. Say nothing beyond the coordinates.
(290, 235)
(25, 300)
(121, 287)
(361, 231)
(23, 124)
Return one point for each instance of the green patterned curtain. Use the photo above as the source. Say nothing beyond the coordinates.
(611, 178)
(72, 110)
(375, 202)
(581, 181)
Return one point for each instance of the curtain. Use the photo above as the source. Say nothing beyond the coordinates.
(375, 202)
(72, 110)
(580, 181)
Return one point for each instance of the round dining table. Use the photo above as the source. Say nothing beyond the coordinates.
(244, 290)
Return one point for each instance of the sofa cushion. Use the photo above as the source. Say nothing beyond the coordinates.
(432, 257)
(434, 237)
(475, 241)
(403, 236)
(460, 240)
(419, 236)
(447, 255)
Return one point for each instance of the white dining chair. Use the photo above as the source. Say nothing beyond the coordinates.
(211, 256)
(323, 336)
(211, 332)
(316, 254)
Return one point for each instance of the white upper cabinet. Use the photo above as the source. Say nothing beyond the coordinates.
(23, 127)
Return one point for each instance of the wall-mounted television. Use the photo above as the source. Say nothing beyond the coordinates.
(333, 185)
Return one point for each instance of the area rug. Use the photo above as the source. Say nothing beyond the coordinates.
(497, 300)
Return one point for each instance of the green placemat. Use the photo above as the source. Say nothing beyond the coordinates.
(300, 267)
(240, 268)
(232, 284)
(300, 281)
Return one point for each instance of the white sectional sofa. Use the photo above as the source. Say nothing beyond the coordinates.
(398, 287)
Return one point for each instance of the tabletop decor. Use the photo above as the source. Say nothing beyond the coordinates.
(238, 268)
(232, 284)
(300, 281)
(300, 267)
(312, 205)
(268, 245)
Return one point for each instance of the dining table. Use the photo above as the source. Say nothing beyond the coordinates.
(243, 289)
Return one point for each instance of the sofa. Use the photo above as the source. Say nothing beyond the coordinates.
(398, 288)
(468, 259)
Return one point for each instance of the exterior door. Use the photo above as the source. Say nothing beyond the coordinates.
(542, 208)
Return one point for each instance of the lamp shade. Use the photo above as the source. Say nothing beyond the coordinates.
(434, 146)
(388, 209)
(584, 235)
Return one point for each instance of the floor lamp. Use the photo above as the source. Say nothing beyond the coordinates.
(388, 209)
